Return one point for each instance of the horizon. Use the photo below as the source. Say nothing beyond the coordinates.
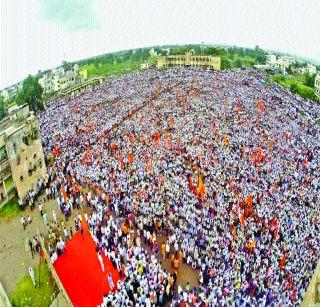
(40, 34)
(277, 52)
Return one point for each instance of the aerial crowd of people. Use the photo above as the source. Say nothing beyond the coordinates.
(224, 165)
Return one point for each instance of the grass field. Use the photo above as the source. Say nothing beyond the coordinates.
(11, 209)
(116, 69)
(25, 294)
(296, 85)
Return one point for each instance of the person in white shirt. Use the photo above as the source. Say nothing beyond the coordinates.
(110, 281)
(101, 261)
(54, 216)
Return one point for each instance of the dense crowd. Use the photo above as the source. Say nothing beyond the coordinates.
(223, 165)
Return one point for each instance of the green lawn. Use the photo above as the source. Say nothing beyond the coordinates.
(11, 209)
(296, 85)
(25, 294)
(246, 61)
(117, 69)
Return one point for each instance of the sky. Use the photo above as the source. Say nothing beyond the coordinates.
(40, 34)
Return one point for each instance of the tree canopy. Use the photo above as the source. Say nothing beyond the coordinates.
(310, 80)
(67, 65)
(31, 94)
(2, 108)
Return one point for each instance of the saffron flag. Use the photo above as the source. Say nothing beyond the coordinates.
(251, 245)
(260, 106)
(64, 193)
(242, 219)
(201, 188)
(130, 157)
(225, 140)
(250, 201)
(282, 262)
(271, 143)
(113, 146)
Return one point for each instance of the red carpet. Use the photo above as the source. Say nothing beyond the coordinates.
(80, 271)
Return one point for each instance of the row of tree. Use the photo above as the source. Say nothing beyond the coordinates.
(2, 108)
(230, 57)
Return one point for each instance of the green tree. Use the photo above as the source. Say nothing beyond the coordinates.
(225, 62)
(180, 51)
(2, 108)
(310, 80)
(294, 88)
(31, 94)
(67, 65)
(290, 69)
(238, 63)
(303, 91)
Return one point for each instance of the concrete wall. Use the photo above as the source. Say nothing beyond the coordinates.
(66, 299)
(31, 158)
(312, 296)
(25, 154)
(4, 300)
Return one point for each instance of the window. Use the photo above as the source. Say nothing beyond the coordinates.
(25, 140)
(3, 153)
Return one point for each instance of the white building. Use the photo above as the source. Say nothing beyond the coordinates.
(59, 79)
(271, 59)
(317, 86)
(46, 83)
(10, 92)
(282, 62)
(310, 69)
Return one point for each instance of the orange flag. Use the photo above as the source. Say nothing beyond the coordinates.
(130, 157)
(271, 143)
(252, 244)
(113, 146)
(250, 201)
(201, 188)
(225, 140)
(260, 106)
(242, 219)
(64, 193)
(282, 262)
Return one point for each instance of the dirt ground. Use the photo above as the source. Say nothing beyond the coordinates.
(15, 255)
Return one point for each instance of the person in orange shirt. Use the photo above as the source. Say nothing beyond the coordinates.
(180, 255)
(163, 250)
(176, 264)
(172, 259)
